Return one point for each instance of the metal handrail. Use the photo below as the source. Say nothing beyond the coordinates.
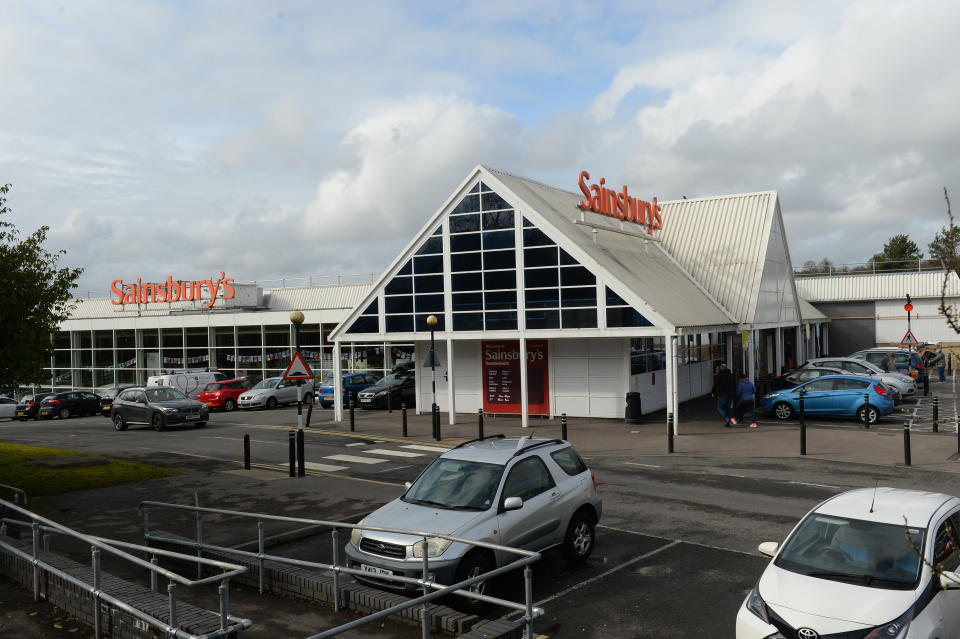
(16, 493)
(527, 557)
(98, 544)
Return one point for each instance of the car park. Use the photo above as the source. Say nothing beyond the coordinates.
(838, 395)
(224, 394)
(906, 361)
(390, 392)
(158, 406)
(273, 392)
(69, 403)
(29, 406)
(107, 395)
(8, 408)
(871, 563)
(353, 383)
(526, 492)
(905, 384)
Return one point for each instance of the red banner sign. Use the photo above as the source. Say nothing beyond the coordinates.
(501, 377)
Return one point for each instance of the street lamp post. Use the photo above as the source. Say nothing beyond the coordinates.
(296, 318)
(434, 413)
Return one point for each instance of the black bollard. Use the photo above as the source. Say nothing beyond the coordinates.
(292, 445)
(480, 424)
(669, 432)
(353, 426)
(936, 414)
(436, 423)
(246, 452)
(309, 414)
(926, 384)
(803, 425)
(389, 402)
(563, 427)
(403, 412)
(906, 443)
(866, 410)
(301, 471)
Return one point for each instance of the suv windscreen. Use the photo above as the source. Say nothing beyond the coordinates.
(456, 484)
(164, 394)
(392, 379)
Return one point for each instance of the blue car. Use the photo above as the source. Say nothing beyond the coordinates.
(832, 395)
(353, 383)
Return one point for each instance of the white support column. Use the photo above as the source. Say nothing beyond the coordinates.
(524, 395)
(752, 354)
(798, 339)
(451, 387)
(668, 351)
(337, 382)
(778, 349)
(825, 345)
(674, 400)
(728, 348)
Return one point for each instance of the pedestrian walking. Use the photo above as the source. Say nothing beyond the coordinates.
(725, 389)
(886, 364)
(746, 397)
(940, 361)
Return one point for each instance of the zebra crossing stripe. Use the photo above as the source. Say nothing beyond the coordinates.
(429, 449)
(325, 468)
(356, 460)
(393, 453)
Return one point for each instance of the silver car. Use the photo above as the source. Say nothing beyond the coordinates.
(904, 384)
(530, 493)
(273, 392)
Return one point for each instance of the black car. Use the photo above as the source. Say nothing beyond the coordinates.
(399, 387)
(106, 398)
(29, 406)
(159, 406)
(69, 403)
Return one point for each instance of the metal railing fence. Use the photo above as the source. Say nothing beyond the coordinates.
(431, 590)
(229, 624)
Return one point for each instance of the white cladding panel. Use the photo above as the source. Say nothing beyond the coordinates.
(927, 324)
(776, 301)
(424, 376)
(468, 383)
(588, 377)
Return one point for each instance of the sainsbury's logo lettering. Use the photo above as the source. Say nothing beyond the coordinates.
(619, 204)
(172, 291)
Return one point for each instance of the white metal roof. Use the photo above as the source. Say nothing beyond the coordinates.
(809, 313)
(877, 286)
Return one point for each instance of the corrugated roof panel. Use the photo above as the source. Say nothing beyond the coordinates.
(877, 286)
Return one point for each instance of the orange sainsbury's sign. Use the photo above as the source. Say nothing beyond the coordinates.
(172, 291)
(619, 204)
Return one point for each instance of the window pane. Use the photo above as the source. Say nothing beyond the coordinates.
(499, 259)
(540, 256)
(468, 301)
(625, 316)
(613, 299)
(371, 308)
(579, 318)
(501, 300)
(476, 188)
(399, 323)
(421, 322)
(429, 284)
(539, 277)
(543, 319)
(429, 303)
(464, 242)
(398, 304)
(432, 245)
(576, 276)
(498, 220)
(493, 202)
(499, 240)
(499, 280)
(468, 321)
(464, 223)
(582, 296)
(405, 269)
(465, 262)
(543, 298)
(502, 321)
(536, 237)
(468, 204)
(399, 285)
(365, 325)
(468, 282)
(567, 259)
(428, 264)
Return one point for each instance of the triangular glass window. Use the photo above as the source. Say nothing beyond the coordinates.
(622, 315)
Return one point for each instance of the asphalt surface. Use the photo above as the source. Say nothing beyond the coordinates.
(676, 547)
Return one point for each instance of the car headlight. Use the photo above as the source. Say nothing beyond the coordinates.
(757, 605)
(383, 392)
(436, 546)
(356, 534)
(769, 395)
(170, 410)
(896, 629)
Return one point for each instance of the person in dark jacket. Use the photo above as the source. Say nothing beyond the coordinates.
(725, 389)
(746, 399)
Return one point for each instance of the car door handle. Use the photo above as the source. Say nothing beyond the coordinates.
(554, 496)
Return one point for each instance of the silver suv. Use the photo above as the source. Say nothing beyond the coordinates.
(273, 392)
(530, 493)
(904, 384)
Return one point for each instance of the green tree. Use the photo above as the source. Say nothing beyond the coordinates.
(944, 247)
(898, 254)
(36, 298)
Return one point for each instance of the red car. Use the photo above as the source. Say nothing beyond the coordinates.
(224, 394)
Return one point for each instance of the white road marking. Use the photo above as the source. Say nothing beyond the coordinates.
(356, 460)
(255, 441)
(357, 444)
(806, 483)
(429, 449)
(392, 453)
(387, 470)
(638, 464)
(327, 468)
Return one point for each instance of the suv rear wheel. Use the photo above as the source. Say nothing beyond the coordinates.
(578, 543)
(119, 422)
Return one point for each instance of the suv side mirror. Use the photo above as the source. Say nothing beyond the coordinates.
(768, 548)
(512, 503)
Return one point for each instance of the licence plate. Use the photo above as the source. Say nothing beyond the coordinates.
(365, 400)
(189, 417)
(327, 398)
(375, 570)
(21, 413)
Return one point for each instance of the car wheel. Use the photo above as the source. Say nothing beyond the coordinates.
(872, 414)
(326, 404)
(308, 398)
(23, 419)
(473, 565)
(578, 543)
(157, 421)
(119, 422)
(783, 410)
(228, 405)
(64, 413)
(271, 403)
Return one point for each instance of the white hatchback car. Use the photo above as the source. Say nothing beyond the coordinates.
(858, 566)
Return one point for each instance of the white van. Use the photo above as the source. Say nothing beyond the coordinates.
(190, 384)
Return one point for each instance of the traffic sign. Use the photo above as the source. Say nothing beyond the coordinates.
(909, 339)
(298, 368)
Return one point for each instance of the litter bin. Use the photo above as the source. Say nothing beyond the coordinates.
(632, 413)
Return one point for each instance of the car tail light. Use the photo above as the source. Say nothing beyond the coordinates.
(52, 401)
(880, 390)
(31, 404)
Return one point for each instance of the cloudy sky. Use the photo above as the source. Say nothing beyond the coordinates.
(286, 139)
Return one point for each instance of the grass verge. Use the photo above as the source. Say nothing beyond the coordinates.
(34, 470)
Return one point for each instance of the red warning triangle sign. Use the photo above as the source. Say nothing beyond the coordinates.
(298, 368)
(909, 339)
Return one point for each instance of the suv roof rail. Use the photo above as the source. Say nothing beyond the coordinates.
(477, 439)
(544, 442)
